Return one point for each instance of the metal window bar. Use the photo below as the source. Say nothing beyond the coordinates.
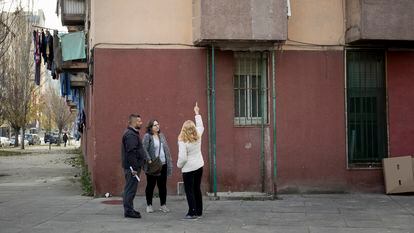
(366, 106)
(250, 86)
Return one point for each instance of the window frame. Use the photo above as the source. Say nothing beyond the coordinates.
(262, 61)
(367, 165)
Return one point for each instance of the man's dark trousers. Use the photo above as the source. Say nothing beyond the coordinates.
(130, 189)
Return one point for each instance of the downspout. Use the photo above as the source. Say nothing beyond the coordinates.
(213, 119)
(274, 125)
(208, 119)
(262, 136)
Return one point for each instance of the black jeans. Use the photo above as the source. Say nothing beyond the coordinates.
(130, 189)
(192, 182)
(161, 182)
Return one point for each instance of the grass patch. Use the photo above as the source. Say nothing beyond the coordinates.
(12, 153)
(85, 176)
(76, 151)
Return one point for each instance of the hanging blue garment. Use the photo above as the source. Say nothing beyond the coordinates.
(65, 84)
(62, 80)
(81, 103)
(73, 46)
(68, 90)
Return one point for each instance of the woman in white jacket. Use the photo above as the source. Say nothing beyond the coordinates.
(191, 162)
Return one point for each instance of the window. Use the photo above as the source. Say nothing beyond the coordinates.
(366, 106)
(250, 88)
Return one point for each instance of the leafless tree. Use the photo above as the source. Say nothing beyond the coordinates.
(7, 22)
(17, 75)
(55, 106)
(46, 109)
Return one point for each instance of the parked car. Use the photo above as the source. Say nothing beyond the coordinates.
(52, 138)
(33, 139)
(13, 139)
(56, 137)
(47, 138)
(4, 142)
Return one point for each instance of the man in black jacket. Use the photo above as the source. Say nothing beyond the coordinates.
(133, 155)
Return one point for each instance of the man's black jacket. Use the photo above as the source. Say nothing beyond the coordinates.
(133, 153)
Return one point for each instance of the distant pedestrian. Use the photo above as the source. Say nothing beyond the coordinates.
(65, 138)
(158, 151)
(191, 162)
(133, 157)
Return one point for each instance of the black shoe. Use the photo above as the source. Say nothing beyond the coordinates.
(137, 213)
(132, 215)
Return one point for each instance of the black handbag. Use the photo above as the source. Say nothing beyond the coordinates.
(155, 166)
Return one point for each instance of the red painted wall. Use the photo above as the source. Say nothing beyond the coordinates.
(161, 84)
(238, 148)
(400, 81)
(311, 146)
(165, 83)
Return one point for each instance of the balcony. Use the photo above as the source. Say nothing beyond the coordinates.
(72, 12)
(379, 21)
(239, 21)
(74, 66)
(78, 80)
(73, 52)
(70, 103)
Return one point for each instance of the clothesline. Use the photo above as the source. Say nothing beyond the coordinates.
(36, 26)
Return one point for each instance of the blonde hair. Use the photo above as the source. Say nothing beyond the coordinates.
(188, 132)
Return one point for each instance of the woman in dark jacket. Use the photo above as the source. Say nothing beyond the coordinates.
(156, 145)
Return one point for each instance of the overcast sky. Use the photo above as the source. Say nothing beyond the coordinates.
(48, 7)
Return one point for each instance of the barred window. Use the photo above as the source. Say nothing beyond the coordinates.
(366, 106)
(250, 88)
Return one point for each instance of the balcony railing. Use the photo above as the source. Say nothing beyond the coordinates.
(72, 12)
(78, 80)
(379, 21)
(75, 66)
(239, 21)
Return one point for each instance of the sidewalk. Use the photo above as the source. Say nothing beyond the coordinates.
(38, 193)
(43, 209)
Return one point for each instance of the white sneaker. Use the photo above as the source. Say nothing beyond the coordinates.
(150, 209)
(164, 209)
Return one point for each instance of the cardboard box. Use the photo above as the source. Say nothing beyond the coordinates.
(398, 174)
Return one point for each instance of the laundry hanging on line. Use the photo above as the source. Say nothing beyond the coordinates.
(43, 48)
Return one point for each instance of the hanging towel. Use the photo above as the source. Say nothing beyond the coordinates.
(73, 46)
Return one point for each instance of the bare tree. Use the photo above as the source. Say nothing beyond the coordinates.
(17, 74)
(55, 111)
(59, 110)
(46, 109)
(7, 22)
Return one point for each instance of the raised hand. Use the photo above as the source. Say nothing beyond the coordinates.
(196, 109)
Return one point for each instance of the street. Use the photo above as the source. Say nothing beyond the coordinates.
(40, 193)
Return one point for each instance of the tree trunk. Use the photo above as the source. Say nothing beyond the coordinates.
(60, 134)
(16, 137)
(23, 132)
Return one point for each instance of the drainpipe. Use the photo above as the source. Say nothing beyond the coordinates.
(274, 125)
(213, 119)
(210, 159)
(262, 144)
